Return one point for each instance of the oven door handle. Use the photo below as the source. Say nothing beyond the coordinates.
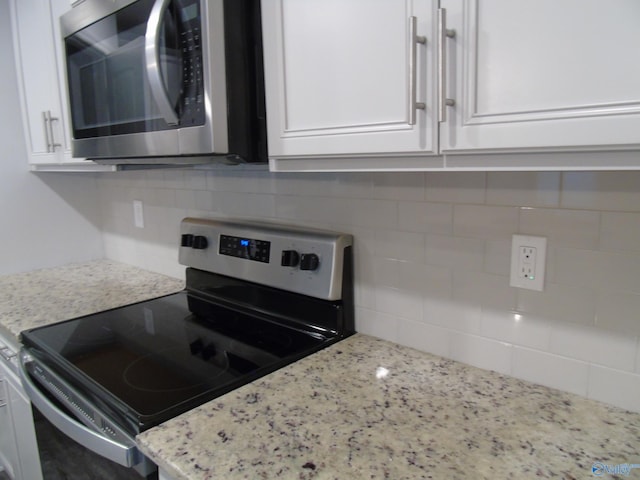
(123, 454)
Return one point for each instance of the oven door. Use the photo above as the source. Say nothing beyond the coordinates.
(73, 415)
(138, 78)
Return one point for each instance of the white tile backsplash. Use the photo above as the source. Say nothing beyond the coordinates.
(564, 228)
(620, 232)
(481, 221)
(616, 191)
(426, 217)
(481, 352)
(553, 371)
(432, 253)
(615, 387)
(531, 189)
(585, 343)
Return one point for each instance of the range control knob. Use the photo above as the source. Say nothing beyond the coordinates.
(186, 240)
(290, 258)
(309, 261)
(200, 242)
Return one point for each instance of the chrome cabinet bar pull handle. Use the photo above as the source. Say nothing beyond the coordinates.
(51, 135)
(443, 34)
(45, 120)
(48, 131)
(414, 40)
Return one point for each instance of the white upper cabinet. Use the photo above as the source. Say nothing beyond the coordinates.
(531, 79)
(39, 54)
(349, 77)
(544, 74)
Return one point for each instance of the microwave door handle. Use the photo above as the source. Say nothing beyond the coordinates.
(152, 59)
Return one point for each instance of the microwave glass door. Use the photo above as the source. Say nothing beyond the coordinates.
(137, 70)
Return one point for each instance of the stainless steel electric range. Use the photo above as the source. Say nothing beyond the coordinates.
(258, 296)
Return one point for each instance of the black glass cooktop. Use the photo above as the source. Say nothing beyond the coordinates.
(150, 361)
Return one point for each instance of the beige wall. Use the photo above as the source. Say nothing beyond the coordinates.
(45, 219)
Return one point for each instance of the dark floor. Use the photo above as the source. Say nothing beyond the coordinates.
(64, 459)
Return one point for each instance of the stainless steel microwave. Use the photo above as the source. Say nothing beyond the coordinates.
(165, 81)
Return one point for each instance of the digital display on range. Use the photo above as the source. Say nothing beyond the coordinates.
(249, 248)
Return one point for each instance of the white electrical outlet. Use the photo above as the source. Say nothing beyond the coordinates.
(528, 257)
(138, 215)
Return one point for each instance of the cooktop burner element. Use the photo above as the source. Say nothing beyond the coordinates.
(258, 296)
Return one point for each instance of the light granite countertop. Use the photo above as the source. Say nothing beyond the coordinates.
(367, 408)
(51, 295)
(363, 408)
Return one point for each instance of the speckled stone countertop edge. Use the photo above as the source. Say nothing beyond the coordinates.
(368, 408)
(50, 295)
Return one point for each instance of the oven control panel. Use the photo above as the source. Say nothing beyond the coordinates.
(304, 261)
(249, 248)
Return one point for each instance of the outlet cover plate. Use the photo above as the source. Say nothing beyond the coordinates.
(518, 278)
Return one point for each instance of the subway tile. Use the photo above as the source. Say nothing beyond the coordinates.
(294, 208)
(400, 245)
(483, 289)
(620, 232)
(601, 190)
(240, 181)
(452, 315)
(550, 370)
(363, 240)
(249, 205)
(565, 303)
(353, 185)
(426, 217)
(205, 200)
(377, 324)
(531, 189)
(163, 197)
(619, 311)
(597, 270)
(513, 327)
(185, 199)
(386, 272)
(585, 343)
(614, 387)
(456, 187)
(480, 221)
(455, 252)
(372, 213)
(399, 186)
(398, 302)
(497, 257)
(307, 184)
(170, 225)
(563, 228)
(364, 286)
(481, 352)
(421, 336)
(174, 178)
(155, 179)
(195, 179)
(430, 281)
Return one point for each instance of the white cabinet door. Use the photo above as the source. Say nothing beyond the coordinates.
(39, 54)
(25, 433)
(339, 75)
(8, 450)
(39, 80)
(542, 75)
